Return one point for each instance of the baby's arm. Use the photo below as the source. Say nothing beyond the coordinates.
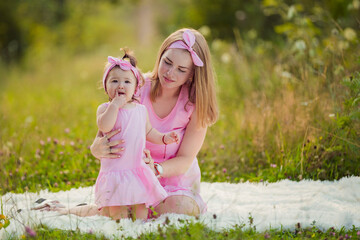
(154, 136)
(106, 117)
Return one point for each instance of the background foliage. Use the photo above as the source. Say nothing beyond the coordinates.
(288, 90)
(288, 85)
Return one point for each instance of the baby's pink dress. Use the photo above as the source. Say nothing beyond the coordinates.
(128, 180)
(187, 184)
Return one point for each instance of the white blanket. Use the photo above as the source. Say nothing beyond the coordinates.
(271, 205)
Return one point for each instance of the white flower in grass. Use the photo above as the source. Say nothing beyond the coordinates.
(205, 30)
(350, 34)
(225, 57)
(299, 45)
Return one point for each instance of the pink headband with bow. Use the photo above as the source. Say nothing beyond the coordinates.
(189, 40)
(124, 65)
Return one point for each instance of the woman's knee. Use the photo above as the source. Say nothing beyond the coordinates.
(180, 205)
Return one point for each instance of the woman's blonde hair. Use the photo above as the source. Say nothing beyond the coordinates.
(202, 90)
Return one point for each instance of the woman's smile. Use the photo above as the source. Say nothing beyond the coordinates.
(168, 80)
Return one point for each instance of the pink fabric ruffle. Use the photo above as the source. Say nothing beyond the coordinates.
(128, 187)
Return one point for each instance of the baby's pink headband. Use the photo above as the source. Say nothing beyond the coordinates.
(124, 65)
(189, 40)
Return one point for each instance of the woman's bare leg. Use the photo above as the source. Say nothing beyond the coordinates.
(138, 211)
(178, 204)
(82, 211)
(172, 204)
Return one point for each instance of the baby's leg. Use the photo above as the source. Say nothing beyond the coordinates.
(117, 212)
(139, 211)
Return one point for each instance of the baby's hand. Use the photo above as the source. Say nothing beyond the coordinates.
(171, 138)
(119, 100)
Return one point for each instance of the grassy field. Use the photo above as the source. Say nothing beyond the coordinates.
(283, 114)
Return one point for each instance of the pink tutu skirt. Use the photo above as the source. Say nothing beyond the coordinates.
(128, 187)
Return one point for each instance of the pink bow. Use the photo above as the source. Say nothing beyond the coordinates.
(124, 65)
(189, 40)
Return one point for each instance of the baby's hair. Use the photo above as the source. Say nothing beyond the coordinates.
(128, 55)
(132, 60)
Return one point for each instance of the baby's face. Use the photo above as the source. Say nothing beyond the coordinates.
(120, 82)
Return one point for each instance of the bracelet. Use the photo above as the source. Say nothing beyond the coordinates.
(163, 140)
(158, 170)
(149, 131)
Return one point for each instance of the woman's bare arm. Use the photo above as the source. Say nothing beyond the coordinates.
(190, 146)
(154, 136)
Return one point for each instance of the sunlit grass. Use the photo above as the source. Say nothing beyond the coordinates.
(266, 119)
(275, 122)
(193, 230)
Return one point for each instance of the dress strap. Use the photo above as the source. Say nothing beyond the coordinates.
(145, 90)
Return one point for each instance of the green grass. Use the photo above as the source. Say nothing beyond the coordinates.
(282, 115)
(191, 230)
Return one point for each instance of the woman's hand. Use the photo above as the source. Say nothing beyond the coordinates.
(103, 148)
(148, 160)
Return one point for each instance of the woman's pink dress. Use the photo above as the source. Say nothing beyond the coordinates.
(128, 180)
(187, 184)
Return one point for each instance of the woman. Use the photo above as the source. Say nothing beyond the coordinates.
(179, 95)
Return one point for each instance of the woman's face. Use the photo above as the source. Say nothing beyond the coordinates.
(175, 69)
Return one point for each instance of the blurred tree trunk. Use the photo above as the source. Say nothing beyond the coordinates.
(146, 27)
